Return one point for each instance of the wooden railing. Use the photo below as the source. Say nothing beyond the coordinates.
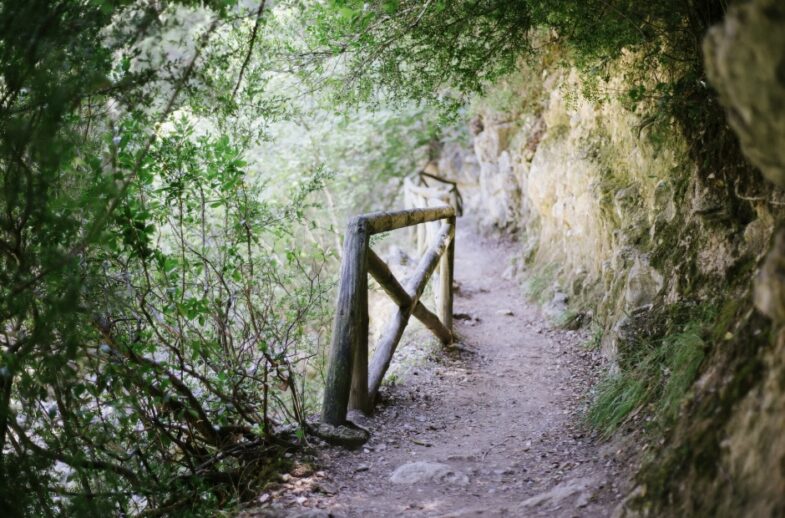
(428, 190)
(351, 382)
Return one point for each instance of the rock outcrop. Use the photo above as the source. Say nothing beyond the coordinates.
(620, 219)
(745, 61)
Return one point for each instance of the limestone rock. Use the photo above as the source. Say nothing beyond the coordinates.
(312, 513)
(745, 62)
(498, 183)
(423, 471)
(557, 307)
(755, 447)
(350, 437)
(643, 285)
(756, 236)
(770, 284)
(664, 204)
(562, 492)
(626, 201)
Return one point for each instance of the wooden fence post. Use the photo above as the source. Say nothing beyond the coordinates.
(446, 274)
(358, 395)
(349, 351)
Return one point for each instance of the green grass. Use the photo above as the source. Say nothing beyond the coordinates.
(656, 372)
(567, 319)
(617, 396)
(595, 341)
(539, 286)
(686, 352)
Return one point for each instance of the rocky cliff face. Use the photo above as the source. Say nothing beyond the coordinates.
(745, 60)
(615, 218)
(618, 225)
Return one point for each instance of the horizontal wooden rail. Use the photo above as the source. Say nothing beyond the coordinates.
(348, 384)
(418, 193)
(456, 200)
(387, 221)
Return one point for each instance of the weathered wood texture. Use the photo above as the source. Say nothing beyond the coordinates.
(414, 288)
(445, 281)
(386, 221)
(454, 195)
(417, 196)
(350, 326)
(381, 272)
(358, 395)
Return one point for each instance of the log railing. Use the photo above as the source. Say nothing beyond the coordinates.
(351, 381)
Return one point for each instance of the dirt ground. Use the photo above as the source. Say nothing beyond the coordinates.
(492, 427)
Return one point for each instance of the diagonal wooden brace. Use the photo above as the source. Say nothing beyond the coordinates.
(392, 335)
(381, 272)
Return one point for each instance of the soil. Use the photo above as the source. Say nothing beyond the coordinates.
(493, 426)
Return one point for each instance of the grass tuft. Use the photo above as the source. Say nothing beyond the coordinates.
(539, 286)
(657, 373)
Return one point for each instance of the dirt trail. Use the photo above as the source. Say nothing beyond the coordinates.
(492, 428)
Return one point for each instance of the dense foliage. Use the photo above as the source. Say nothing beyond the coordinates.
(164, 261)
(442, 49)
(152, 305)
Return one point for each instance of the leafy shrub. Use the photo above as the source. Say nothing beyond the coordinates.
(157, 305)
